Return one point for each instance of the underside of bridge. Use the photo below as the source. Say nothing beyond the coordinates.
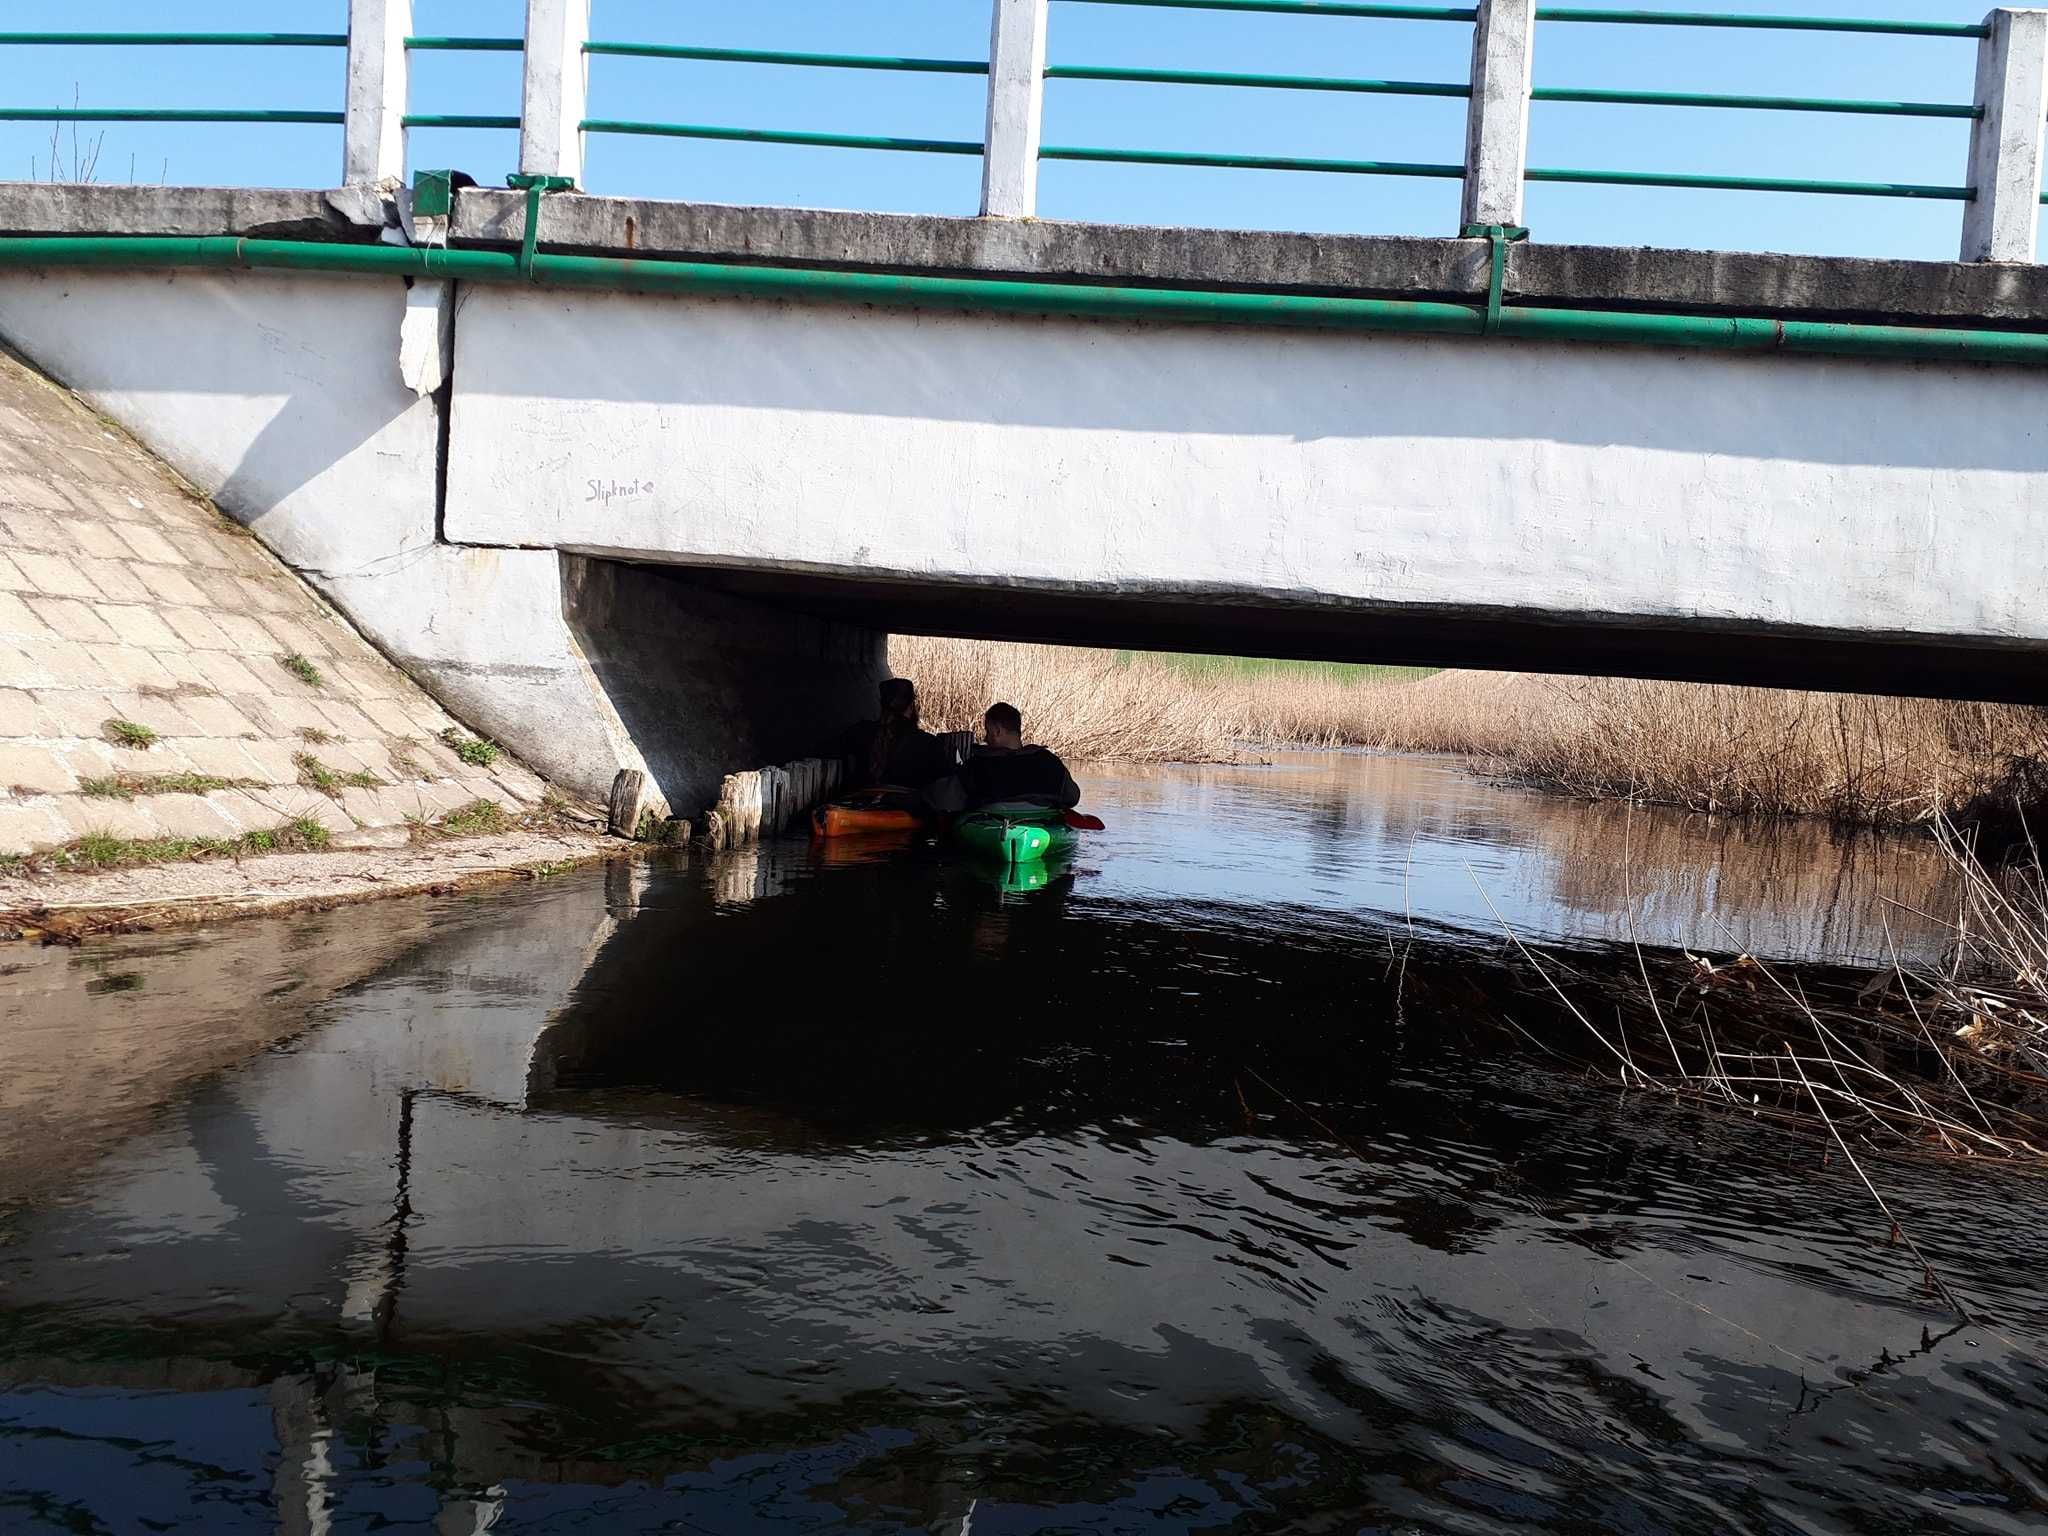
(1588, 645)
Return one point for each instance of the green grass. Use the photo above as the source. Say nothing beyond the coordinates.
(300, 668)
(126, 786)
(126, 733)
(655, 829)
(549, 871)
(1235, 668)
(315, 774)
(107, 850)
(471, 749)
(476, 819)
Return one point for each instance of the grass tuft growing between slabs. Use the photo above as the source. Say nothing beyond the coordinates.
(315, 774)
(479, 818)
(301, 668)
(129, 733)
(126, 786)
(487, 818)
(107, 850)
(473, 750)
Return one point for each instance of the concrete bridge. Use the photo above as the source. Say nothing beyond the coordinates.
(650, 490)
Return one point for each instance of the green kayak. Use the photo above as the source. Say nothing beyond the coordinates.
(1013, 835)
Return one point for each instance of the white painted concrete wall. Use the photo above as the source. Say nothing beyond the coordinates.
(1658, 484)
(282, 398)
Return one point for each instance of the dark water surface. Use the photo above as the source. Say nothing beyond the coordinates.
(1195, 1191)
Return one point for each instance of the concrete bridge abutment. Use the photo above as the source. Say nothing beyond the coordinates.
(315, 411)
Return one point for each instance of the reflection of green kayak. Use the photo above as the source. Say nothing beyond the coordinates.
(1014, 835)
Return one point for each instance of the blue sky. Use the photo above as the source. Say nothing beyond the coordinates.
(1078, 112)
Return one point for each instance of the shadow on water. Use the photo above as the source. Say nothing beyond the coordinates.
(774, 1192)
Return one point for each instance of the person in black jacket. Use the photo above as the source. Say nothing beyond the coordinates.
(1004, 771)
(892, 751)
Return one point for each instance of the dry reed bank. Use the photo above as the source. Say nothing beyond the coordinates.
(1734, 751)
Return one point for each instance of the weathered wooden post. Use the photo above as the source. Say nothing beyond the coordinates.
(635, 801)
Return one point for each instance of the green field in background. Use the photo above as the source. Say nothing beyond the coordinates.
(1260, 666)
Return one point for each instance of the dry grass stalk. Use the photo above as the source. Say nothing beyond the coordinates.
(1953, 1060)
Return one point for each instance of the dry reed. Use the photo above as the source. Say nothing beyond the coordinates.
(1950, 1059)
(1721, 750)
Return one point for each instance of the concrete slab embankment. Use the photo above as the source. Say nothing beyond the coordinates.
(164, 676)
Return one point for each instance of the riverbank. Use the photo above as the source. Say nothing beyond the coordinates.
(1854, 760)
(66, 906)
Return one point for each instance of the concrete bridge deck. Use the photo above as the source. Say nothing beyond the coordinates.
(617, 528)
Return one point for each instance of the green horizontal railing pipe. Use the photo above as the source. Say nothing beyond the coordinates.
(782, 56)
(1309, 8)
(781, 136)
(1749, 183)
(466, 44)
(162, 115)
(1246, 162)
(1259, 82)
(176, 39)
(999, 295)
(1760, 23)
(457, 120)
(1754, 103)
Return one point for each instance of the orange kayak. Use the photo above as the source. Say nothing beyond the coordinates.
(865, 813)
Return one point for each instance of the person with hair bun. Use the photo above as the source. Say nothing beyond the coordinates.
(892, 751)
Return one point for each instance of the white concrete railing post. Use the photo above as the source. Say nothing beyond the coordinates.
(557, 88)
(1497, 119)
(1016, 109)
(373, 137)
(2001, 222)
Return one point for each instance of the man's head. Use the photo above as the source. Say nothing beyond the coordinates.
(1003, 727)
(899, 698)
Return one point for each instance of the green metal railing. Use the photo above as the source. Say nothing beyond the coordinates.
(781, 136)
(440, 44)
(1131, 75)
(466, 44)
(1743, 20)
(1307, 8)
(1333, 85)
(1583, 95)
(887, 63)
(175, 39)
(1819, 104)
(785, 56)
(81, 114)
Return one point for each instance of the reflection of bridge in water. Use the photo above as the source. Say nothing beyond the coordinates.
(580, 1184)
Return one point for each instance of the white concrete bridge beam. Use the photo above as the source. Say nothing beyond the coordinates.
(373, 137)
(1016, 109)
(1497, 119)
(557, 88)
(2002, 222)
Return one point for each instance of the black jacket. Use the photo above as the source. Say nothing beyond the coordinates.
(1031, 775)
(915, 757)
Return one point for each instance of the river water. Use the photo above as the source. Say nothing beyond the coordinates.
(1200, 1189)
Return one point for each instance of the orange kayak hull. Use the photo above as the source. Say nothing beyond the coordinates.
(853, 821)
